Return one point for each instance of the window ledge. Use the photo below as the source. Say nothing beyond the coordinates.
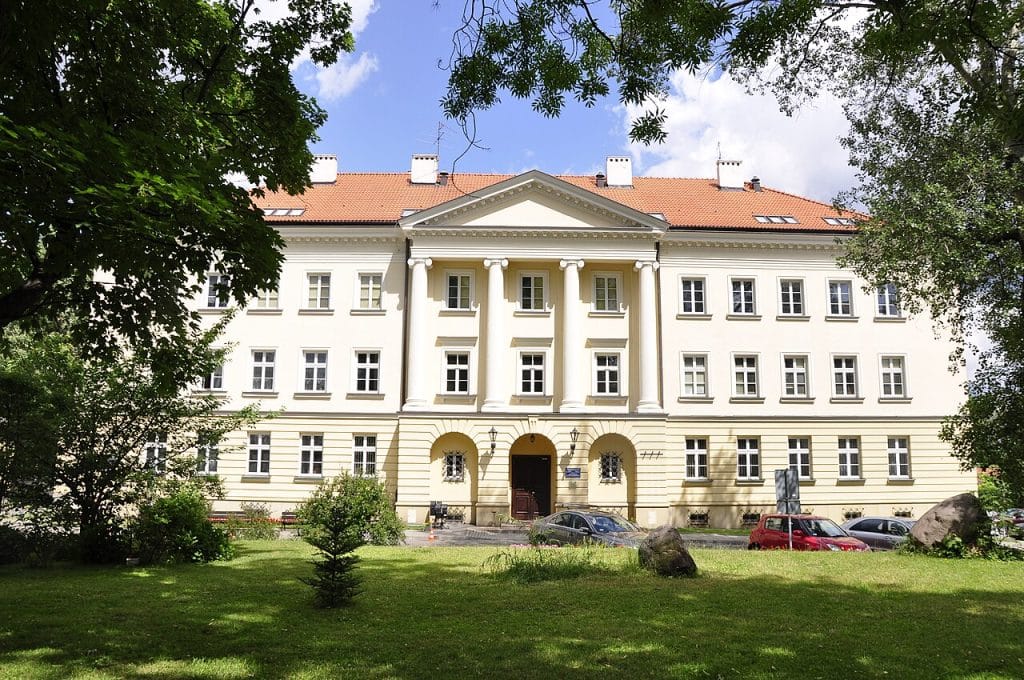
(693, 315)
(457, 312)
(258, 394)
(454, 480)
(446, 398)
(807, 481)
(607, 314)
(890, 319)
(213, 310)
(743, 317)
(263, 477)
(316, 312)
(364, 395)
(695, 400)
(264, 311)
(841, 317)
(308, 479)
(742, 481)
(850, 481)
(538, 399)
(608, 398)
(212, 393)
(311, 395)
(697, 481)
(846, 400)
(532, 312)
(793, 317)
(796, 400)
(367, 312)
(894, 400)
(746, 400)
(899, 480)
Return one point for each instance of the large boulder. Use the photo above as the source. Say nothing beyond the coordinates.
(960, 516)
(664, 553)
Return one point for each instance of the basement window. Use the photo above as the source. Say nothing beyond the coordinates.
(840, 221)
(776, 219)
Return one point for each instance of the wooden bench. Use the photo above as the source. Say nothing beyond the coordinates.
(222, 516)
(288, 519)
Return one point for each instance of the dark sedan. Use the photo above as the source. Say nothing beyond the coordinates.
(588, 526)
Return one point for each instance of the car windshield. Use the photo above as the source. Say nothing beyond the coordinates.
(822, 528)
(603, 524)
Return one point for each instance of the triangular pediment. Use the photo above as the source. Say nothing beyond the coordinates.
(533, 200)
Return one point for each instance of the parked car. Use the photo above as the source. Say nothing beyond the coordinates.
(589, 526)
(809, 533)
(881, 533)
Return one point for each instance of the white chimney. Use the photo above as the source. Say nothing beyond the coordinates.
(619, 171)
(730, 177)
(424, 169)
(325, 169)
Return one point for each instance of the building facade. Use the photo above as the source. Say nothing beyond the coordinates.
(510, 345)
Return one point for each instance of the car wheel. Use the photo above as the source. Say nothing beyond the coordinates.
(753, 546)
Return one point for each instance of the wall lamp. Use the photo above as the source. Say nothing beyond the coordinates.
(494, 439)
(574, 435)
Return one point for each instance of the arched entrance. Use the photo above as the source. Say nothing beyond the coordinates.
(453, 474)
(531, 476)
(611, 473)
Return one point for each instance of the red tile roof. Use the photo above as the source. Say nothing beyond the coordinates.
(375, 198)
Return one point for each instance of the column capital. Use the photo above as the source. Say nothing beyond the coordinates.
(425, 261)
(565, 264)
(640, 264)
(491, 262)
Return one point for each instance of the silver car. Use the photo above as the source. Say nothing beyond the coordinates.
(588, 526)
(881, 533)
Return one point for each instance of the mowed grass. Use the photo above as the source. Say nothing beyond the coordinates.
(437, 613)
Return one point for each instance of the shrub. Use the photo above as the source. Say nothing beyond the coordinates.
(13, 545)
(256, 525)
(37, 537)
(986, 547)
(176, 528)
(993, 493)
(366, 504)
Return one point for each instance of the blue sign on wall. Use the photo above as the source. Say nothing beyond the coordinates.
(572, 473)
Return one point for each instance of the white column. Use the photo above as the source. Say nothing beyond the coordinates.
(574, 385)
(416, 398)
(647, 344)
(495, 394)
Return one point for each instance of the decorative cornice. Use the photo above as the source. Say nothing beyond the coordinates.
(293, 238)
(751, 244)
(537, 232)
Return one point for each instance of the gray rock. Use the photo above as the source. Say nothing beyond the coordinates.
(665, 553)
(960, 516)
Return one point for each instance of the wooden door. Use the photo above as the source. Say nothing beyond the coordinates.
(531, 486)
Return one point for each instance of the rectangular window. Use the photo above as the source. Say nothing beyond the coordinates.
(611, 468)
(531, 373)
(849, 458)
(207, 457)
(899, 458)
(214, 380)
(458, 290)
(156, 453)
(791, 294)
(314, 377)
(794, 376)
(259, 453)
(696, 458)
(691, 296)
(606, 374)
(531, 298)
(893, 382)
(743, 301)
(217, 291)
(695, 375)
(840, 298)
(370, 290)
(454, 466)
(606, 293)
(364, 455)
(263, 370)
(456, 373)
(844, 376)
(748, 458)
(800, 456)
(318, 291)
(266, 299)
(311, 454)
(888, 300)
(367, 371)
(745, 374)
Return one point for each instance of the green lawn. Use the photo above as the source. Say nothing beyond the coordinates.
(434, 613)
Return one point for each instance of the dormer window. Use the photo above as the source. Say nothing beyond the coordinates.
(840, 221)
(776, 219)
(284, 212)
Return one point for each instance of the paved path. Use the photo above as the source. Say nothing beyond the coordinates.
(469, 535)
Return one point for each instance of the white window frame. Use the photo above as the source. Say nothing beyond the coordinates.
(311, 454)
(748, 459)
(598, 380)
(365, 288)
(887, 377)
(449, 366)
(699, 307)
(364, 455)
(898, 448)
(262, 365)
(370, 365)
(887, 302)
(788, 372)
(315, 297)
(213, 381)
(453, 466)
(218, 295)
(267, 298)
(611, 306)
(737, 369)
(849, 458)
(460, 304)
(610, 467)
(836, 306)
(800, 304)
(522, 368)
(207, 457)
(696, 461)
(258, 454)
(156, 452)
(309, 383)
(848, 369)
(738, 285)
(800, 459)
(545, 289)
(696, 375)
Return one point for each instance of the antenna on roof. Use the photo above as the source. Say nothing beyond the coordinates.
(719, 151)
(437, 140)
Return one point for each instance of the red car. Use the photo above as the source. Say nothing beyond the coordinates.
(809, 533)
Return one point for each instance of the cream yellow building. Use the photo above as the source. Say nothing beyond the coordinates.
(508, 345)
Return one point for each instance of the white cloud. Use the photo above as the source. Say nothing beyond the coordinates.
(340, 79)
(799, 154)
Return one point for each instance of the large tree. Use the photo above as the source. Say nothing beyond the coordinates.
(934, 92)
(119, 122)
